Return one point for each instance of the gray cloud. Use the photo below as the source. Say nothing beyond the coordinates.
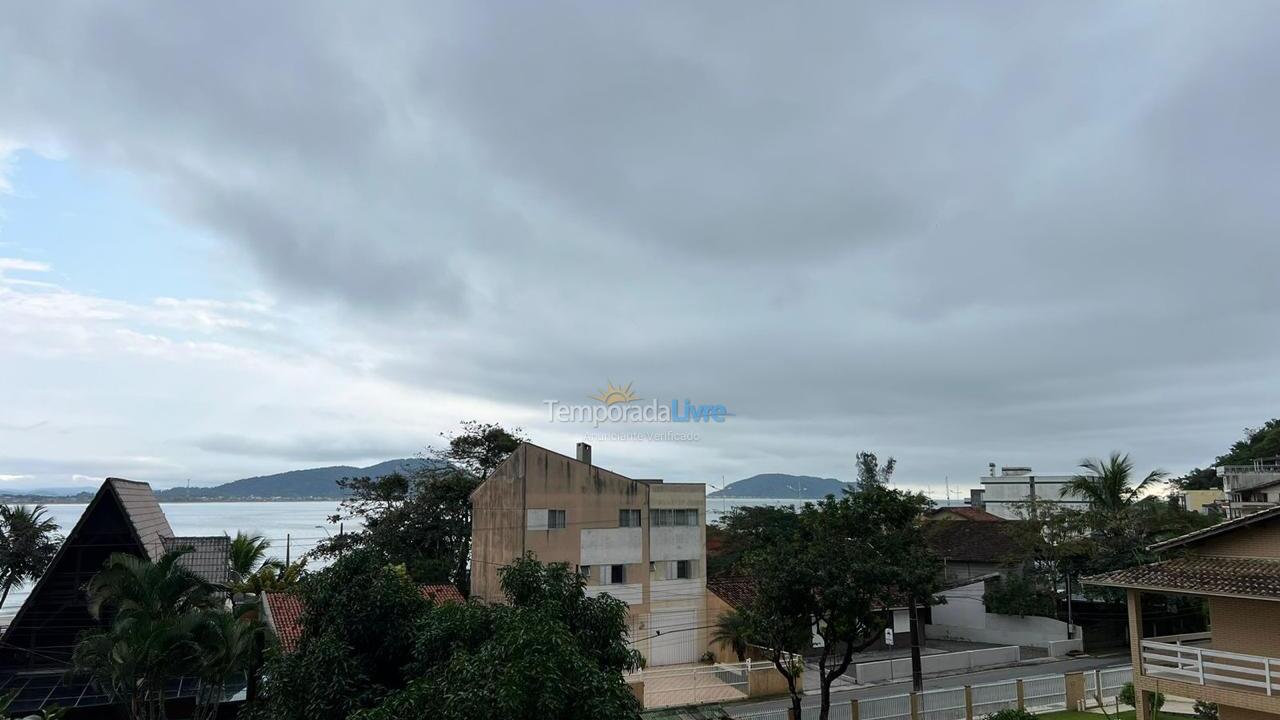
(986, 231)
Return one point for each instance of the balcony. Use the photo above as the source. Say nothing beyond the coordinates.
(1186, 660)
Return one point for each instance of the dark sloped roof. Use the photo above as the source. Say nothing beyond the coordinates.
(1225, 526)
(144, 513)
(210, 557)
(1257, 578)
(968, 513)
(984, 542)
(738, 592)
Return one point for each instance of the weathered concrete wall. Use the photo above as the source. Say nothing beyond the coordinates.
(497, 521)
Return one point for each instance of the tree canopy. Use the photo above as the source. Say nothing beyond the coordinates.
(373, 648)
(835, 572)
(422, 520)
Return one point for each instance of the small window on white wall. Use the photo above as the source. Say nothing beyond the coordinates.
(628, 518)
(684, 569)
(584, 571)
(556, 519)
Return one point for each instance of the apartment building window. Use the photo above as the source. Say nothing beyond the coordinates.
(584, 571)
(673, 518)
(684, 569)
(556, 520)
(615, 574)
(628, 518)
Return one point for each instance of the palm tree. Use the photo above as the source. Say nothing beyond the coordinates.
(1107, 486)
(732, 629)
(226, 644)
(156, 612)
(253, 573)
(27, 545)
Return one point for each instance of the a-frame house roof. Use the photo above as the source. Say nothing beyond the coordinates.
(122, 517)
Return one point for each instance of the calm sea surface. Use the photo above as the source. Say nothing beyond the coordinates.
(297, 526)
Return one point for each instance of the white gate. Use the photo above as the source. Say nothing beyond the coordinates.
(665, 687)
(673, 638)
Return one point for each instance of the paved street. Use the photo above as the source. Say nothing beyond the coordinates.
(971, 678)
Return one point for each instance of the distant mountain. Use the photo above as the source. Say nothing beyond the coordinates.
(781, 485)
(312, 484)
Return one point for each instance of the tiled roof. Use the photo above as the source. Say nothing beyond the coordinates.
(283, 613)
(209, 557)
(983, 542)
(1233, 577)
(738, 592)
(144, 513)
(968, 513)
(442, 593)
(1225, 526)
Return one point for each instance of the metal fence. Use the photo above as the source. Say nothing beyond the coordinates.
(1046, 692)
(1110, 680)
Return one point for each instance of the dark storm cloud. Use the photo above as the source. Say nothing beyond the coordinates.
(957, 232)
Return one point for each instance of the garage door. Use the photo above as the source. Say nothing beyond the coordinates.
(673, 637)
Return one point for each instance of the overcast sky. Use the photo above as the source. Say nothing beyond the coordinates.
(240, 238)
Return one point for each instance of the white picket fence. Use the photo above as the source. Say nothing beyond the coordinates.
(1048, 692)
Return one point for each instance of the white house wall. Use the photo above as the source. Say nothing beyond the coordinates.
(675, 543)
(612, 546)
(630, 593)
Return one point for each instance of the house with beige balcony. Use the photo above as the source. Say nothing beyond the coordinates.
(641, 541)
(1251, 486)
(1235, 566)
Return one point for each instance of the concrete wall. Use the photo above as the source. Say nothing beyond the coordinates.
(612, 546)
(1002, 493)
(511, 509)
(883, 670)
(964, 617)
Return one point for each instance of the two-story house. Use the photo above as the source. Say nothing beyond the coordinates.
(641, 541)
(1235, 565)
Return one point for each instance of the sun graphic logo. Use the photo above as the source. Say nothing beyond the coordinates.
(614, 394)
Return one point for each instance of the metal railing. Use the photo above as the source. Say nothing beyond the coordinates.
(1204, 666)
(1046, 692)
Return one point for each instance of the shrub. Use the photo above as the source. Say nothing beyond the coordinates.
(1128, 697)
(709, 658)
(1011, 714)
(1206, 710)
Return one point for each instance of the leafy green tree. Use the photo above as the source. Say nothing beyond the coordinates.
(1258, 443)
(850, 560)
(743, 528)
(1020, 594)
(422, 520)
(356, 644)
(1198, 479)
(870, 472)
(551, 652)
(28, 542)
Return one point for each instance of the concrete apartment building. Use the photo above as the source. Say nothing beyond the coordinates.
(1250, 487)
(1001, 494)
(1235, 565)
(641, 541)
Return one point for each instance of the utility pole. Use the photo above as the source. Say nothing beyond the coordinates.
(1070, 634)
(917, 673)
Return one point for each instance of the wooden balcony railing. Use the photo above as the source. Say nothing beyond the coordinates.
(1203, 666)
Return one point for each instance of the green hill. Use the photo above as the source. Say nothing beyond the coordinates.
(781, 485)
